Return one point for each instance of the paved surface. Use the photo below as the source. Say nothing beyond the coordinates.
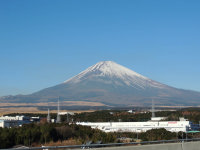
(169, 146)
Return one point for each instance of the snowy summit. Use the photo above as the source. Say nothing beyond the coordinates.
(112, 70)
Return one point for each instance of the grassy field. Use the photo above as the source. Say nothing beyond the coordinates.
(4, 111)
(63, 103)
(7, 108)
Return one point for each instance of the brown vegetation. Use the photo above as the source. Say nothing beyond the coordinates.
(64, 103)
(34, 110)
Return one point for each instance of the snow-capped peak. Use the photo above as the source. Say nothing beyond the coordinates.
(112, 70)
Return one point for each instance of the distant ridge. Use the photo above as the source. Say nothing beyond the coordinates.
(110, 83)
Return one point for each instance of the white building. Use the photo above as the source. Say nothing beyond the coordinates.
(66, 113)
(2, 123)
(18, 118)
(173, 126)
(131, 111)
(7, 123)
(12, 121)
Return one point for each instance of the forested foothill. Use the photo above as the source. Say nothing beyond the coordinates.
(192, 114)
(68, 133)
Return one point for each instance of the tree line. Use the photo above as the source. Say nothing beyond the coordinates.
(192, 114)
(38, 134)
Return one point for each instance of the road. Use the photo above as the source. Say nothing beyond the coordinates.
(165, 146)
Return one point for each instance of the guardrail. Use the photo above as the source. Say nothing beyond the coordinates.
(85, 146)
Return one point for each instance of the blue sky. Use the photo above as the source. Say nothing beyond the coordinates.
(45, 42)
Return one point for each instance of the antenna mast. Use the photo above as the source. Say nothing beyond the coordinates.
(48, 117)
(58, 113)
(153, 109)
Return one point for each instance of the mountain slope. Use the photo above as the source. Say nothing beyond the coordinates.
(113, 84)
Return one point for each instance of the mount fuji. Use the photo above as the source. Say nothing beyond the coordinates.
(112, 84)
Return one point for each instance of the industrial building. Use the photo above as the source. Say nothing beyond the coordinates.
(155, 123)
(17, 118)
(13, 121)
(8, 123)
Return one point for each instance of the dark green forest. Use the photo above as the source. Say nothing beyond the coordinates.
(192, 114)
(39, 134)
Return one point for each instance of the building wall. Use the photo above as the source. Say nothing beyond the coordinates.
(173, 126)
(12, 118)
(8, 123)
(2, 123)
